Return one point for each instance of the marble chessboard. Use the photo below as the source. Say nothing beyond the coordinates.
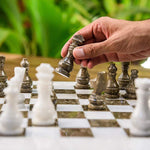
(77, 127)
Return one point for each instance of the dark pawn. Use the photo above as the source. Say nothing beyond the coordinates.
(65, 65)
(131, 90)
(124, 77)
(3, 77)
(95, 99)
(112, 89)
(27, 82)
(82, 79)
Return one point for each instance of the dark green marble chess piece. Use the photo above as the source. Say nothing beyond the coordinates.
(95, 100)
(112, 89)
(65, 65)
(27, 82)
(3, 77)
(124, 78)
(131, 89)
(82, 79)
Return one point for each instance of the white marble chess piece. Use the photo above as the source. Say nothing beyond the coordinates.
(140, 118)
(11, 119)
(43, 111)
(19, 75)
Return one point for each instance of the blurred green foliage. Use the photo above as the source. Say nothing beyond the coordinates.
(41, 27)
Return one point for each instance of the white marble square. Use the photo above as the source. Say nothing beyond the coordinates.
(132, 102)
(34, 82)
(2, 100)
(120, 108)
(63, 85)
(83, 101)
(33, 100)
(124, 123)
(69, 107)
(48, 132)
(83, 91)
(27, 95)
(98, 115)
(66, 96)
(73, 123)
(34, 91)
(113, 132)
(24, 123)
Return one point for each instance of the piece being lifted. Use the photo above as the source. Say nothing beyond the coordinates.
(65, 65)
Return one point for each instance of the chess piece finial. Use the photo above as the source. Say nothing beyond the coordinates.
(3, 77)
(82, 79)
(95, 99)
(112, 89)
(27, 82)
(65, 65)
(124, 77)
(140, 118)
(130, 89)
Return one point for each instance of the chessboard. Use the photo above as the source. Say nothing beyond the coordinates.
(75, 120)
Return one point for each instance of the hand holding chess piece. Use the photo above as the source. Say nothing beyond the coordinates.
(65, 65)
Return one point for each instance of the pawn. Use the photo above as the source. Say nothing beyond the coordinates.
(44, 113)
(27, 82)
(3, 77)
(19, 75)
(124, 77)
(65, 65)
(112, 88)
(95, 99)
(82, 79)
(11, 119)
(130, 89)
(140, 118)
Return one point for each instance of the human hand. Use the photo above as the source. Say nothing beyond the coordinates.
(108, 39)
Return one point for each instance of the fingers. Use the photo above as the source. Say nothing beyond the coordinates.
(90, 50)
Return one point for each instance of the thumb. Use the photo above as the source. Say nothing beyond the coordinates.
(90, 50)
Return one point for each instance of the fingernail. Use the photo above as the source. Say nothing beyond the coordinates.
(79, 52)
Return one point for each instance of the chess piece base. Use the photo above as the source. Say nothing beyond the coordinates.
(96, 107)
(129, 96)
(7, 132)
(82, 86)
(62, 72)
(139, 132)
(2, 94)
(111, 96)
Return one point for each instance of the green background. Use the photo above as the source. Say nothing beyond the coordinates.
(41, 27)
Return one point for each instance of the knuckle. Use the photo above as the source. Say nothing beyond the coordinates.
(91, 51)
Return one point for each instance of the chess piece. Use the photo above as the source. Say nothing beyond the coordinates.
(43, 111)
(82, 79)
(65, 65)
(130, 89)
(19, 75)
(124, 77)
(95, 99)
(11, 118)
(3, 77)
(27, 82)
(112, 89)
(140, 118)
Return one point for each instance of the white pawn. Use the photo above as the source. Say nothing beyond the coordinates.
(19, 75)
(11, 119)
(43, 111)
(140, 118)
